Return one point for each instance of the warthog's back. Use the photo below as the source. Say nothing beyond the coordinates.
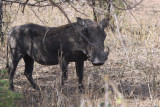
(45, 44)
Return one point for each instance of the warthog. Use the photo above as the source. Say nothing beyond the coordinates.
(74, 42)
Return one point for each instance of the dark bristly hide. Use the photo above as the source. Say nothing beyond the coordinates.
(75, 42)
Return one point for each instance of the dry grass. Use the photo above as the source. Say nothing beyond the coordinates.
(129, 78)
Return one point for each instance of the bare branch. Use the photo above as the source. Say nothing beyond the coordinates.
(94, 12)
(37, 16)
(6, 2)
(118, 31)
(128, 6)
(131, 12)
(61, 9)
(24, 5)
(76, 9)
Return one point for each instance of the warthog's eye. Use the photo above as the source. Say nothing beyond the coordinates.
(101, 32)
(86, 32)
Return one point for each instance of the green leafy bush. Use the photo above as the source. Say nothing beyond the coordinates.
(7, 97)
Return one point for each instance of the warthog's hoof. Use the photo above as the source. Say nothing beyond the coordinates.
(36, 87)
(65, 77)
(11, 88)
(81, 88)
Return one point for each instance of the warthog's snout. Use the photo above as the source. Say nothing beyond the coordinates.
(97, 61)
(100, 58)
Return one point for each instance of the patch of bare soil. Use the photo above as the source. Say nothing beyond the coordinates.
(136, 82)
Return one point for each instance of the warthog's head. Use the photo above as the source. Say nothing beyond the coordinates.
(95, 36)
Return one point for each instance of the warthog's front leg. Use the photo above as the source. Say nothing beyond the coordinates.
(79, 71)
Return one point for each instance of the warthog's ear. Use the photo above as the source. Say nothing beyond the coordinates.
(80, 21)
(104, 23)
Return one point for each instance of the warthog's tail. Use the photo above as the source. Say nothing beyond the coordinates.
(7, 59)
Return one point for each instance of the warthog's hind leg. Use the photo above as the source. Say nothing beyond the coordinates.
(64, 69)
(15, 57)
(29, 64)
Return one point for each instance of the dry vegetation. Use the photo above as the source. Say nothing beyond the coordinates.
(129, 78)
